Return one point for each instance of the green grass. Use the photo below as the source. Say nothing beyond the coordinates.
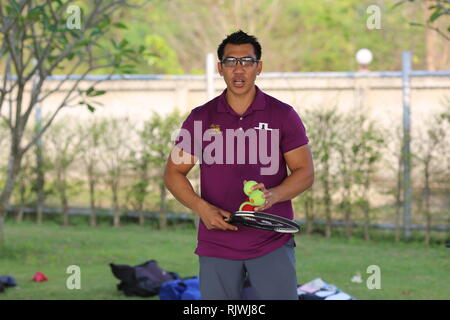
(408, 270)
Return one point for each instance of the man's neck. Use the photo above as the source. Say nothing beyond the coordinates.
(240, 103)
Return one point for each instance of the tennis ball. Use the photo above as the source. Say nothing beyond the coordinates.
(248, 187)
(256, 197)
(246, 206)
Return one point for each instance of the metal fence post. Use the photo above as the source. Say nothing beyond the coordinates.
(407, 188)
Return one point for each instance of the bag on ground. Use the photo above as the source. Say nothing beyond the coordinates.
(143, 280)
(186, 289)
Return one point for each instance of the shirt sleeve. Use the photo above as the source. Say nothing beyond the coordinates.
(293, 134)
(185, 138)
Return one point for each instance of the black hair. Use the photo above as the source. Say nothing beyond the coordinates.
(240, 37)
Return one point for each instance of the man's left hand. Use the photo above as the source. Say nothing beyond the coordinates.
(269, 194)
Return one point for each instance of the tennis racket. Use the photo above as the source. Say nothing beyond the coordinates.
(264, 221)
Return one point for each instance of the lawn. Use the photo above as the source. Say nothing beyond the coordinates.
(408, 271)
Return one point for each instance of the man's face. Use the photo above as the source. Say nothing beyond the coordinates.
(239, 79)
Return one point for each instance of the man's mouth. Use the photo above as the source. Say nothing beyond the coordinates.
(238, 83)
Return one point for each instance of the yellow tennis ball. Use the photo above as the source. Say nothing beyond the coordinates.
(248, 187)
(256, 197)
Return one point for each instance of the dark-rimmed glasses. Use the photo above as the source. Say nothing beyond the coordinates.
(244, 61)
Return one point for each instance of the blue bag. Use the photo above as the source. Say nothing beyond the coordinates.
(187, 289)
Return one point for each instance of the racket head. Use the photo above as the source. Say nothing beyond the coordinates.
(265, 221)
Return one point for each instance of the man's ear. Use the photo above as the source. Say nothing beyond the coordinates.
(259, 67)
(219, 68)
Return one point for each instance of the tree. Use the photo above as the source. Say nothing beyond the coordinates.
(115, 149)
(89, 155)
(323, 134)
(346, 168)
(3, 147)
(291, 32)
(366, 154)
(139, 162)
(436, 31)
(436, 10)
(306, 199)
(158, 133)
(62, 149)
(39, 39)
(398, 169)
(428, 155)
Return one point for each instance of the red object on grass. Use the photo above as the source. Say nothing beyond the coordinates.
(39, 277)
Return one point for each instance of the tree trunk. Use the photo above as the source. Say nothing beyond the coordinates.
(397, 222)
(366, 209)
(327, 201)
(366, 206)
(39, 212)
(427, 195)
(19, 215)
(116, 216)
(309, 214)
(40, 181)
(116, 208)
(65, 208)
(398, 198)
(2, 226)
(162, 207)
(348, 220)
(431, 51)
(5, 195)
(62, 196)
(141, 214)
(93, 216)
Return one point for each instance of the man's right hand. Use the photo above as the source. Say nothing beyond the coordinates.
(213, 217)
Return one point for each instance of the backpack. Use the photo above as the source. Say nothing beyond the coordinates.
(186, 289)
(143, 280)
(7, 281)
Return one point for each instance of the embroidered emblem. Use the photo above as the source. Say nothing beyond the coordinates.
(215, 129)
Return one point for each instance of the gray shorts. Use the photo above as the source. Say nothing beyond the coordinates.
(272, 276)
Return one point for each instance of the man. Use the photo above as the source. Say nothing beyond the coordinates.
(243, 112)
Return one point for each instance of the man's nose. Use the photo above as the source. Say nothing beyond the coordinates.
(238, 68)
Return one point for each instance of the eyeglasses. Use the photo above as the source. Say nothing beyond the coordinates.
(245, 61)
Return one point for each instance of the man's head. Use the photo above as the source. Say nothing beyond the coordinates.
(239, 75)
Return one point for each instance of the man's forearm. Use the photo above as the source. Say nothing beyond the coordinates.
(294, 184)
(181, 188)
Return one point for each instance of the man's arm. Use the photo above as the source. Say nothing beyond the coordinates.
(179, 185)
(300, 163)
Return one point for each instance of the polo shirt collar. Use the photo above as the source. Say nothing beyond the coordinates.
(259, 103)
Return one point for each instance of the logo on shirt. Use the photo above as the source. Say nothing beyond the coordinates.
(215, 129)
(263, 126)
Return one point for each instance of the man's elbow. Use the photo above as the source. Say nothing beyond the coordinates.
(167, 176)
(310, 179)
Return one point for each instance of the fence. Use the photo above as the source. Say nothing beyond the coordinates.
(388, 96)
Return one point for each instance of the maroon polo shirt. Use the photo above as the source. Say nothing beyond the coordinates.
(268, 129)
